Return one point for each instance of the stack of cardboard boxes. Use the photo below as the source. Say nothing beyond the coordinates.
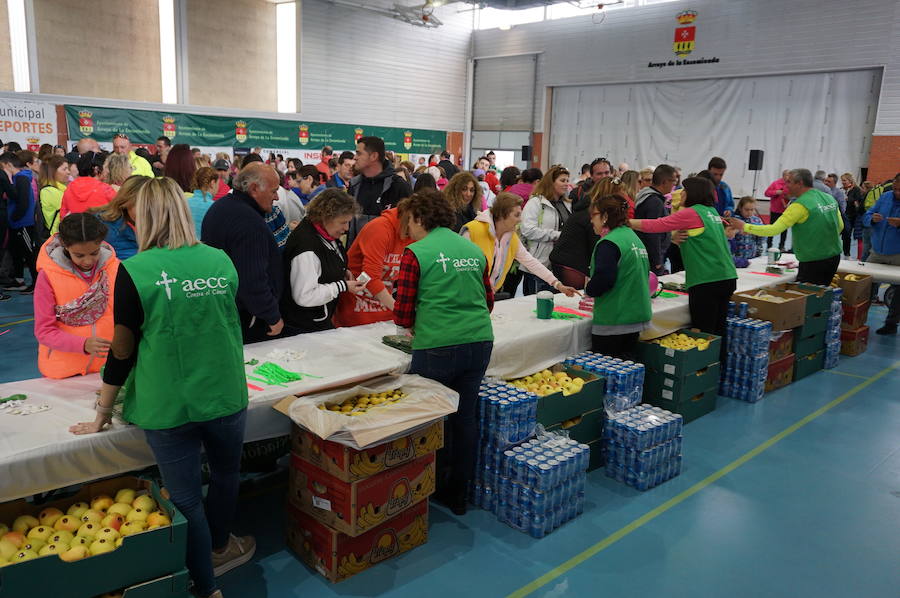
(351, 509)
(856, 300)
(682, 381)
(581, 415)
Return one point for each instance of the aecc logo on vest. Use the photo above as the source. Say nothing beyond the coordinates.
(466, 264)
(197, 287)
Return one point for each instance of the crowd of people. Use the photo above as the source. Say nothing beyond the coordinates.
(165, 264)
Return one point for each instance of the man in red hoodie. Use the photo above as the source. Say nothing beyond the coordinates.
(322, 166)
(87, 191)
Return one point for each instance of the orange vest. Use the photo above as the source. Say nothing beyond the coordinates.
(68, 286)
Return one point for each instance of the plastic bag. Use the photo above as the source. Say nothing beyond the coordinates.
(425, 402)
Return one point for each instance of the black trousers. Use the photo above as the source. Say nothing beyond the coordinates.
(820, 271)
(22, 251)
(615, 345)
(846, 235)
(708, 304)
(674, 255)
(774, 216)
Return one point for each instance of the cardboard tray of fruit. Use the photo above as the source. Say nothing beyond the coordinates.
(379, 410)
(111, 534)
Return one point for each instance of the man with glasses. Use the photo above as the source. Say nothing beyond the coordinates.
(651, 204)
(122, 145)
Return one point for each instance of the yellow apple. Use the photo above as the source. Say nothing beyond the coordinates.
(113, 520)
(23, 555)
(129, 528)
(125, 495)
(67, 523)
(24, 523)
(81, 541)
(61, 537)
(92, 516)
(14, 538)
(33, 544)
(102, 547)
(7, 549)
(88, 530)
(101, 503)
(120, 508)
(145, 502)
(53, 549)
(158, 519)
(137, 514)
(78, 509)
(75, 553)
(108, 534)
(41, 532)
(49, 516)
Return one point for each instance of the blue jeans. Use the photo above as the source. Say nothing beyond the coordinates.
(460, 367)
(533, 285)
(177, 452)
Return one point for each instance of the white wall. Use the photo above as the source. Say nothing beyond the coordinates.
(750, 37)
(360, 66)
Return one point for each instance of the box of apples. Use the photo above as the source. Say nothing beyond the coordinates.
(111, 534)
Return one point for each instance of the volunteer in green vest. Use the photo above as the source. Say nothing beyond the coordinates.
(444, 297)
(619, 280)
(816, 222)
(177, 344)
(710, 275)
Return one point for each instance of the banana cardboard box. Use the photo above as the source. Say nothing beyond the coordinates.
(338, 556)
(349, 464)
(784, 309)
(857, 287)
(356, 507)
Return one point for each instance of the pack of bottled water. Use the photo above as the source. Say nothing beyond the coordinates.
(506, 414)
(537, 485)
(747, 360)
(833, 332)
(643, 446)
(624, 379)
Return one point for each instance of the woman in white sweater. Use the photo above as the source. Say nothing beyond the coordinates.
(544, 215)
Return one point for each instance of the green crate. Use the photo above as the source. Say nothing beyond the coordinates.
(692, 407)
(808, 345)
(676, 388)
(818, 299)
(587, 428)
(678, 363)
(810, 364)
(149, 555)
(171, 586)
(813, 324)
(556, 408)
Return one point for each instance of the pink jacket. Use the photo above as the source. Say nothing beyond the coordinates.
(779, 200)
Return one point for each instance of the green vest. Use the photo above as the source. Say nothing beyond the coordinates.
(628, 302)
(819, 237)
(190, 356)
(707, 257)
(451, 304)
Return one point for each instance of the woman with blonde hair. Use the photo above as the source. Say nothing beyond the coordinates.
(52, 184)
(116, 170)
(175, 318)
(463, 193)
(205, 183)
(855, 212)
(118, 216)
(543, 218)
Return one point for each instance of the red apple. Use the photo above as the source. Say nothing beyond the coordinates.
(113, 520)
(16, 538)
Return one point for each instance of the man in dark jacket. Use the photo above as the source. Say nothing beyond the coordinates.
(236, 224)
(449, 167)
(651, 203)
(600, 169)
(344, 172)
(377, 187)
(575, 245)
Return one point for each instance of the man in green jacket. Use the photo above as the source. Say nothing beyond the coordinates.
(122, 145)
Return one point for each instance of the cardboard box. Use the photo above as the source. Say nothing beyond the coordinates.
(555, 408)
(679, 363)
(349, 464)
(148, 555)
(692, 407)
(854, 342)
(585, 428)
(814, 324)
(804, 346)
(855, 291)
(671, 388)
(818, 298)
(170, 586)
(781, 373)
(338, 556)
(855, 316)
(810, 364)
(356, 507)
(789, 314)
(781, 345)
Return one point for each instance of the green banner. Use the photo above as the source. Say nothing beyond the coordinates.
(144, 126)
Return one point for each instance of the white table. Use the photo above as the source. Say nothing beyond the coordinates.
(878, 272)
(37, 453)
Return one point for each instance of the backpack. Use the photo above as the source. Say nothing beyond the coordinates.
(41, 227)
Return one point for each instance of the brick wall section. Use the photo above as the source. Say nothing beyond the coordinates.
(884, 158)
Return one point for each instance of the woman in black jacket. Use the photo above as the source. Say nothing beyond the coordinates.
(855, 211)
(316, 262)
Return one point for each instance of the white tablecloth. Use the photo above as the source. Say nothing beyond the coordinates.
(879, 272)
(37, 453)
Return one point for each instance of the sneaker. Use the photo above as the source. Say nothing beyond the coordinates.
(16, 286)
(29, 290)
(887, 329)
(239, 551)
(5, 297)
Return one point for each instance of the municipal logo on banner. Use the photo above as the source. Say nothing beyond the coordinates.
(240, 131)
(34, 144)
(86, 122)
(407, 139)
(357, 135)
(686, 34)
(303, 134)
(169, 128)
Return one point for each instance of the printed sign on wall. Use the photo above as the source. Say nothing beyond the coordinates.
(30, 124)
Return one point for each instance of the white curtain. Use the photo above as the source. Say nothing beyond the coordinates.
(815, 121)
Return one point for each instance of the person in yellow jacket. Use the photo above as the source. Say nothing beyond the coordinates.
(122, 145)
(73, 298)
(494, 232)
(52, 180)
